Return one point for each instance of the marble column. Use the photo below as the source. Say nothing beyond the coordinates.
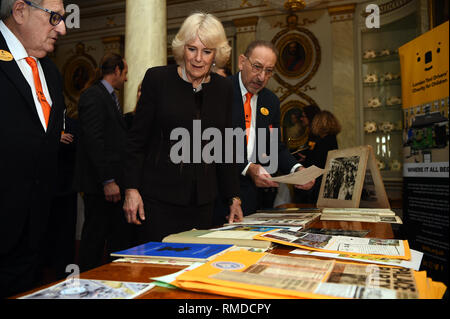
(343, 72)
(145, 43)
(245, 34)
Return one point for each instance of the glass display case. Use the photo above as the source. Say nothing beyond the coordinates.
(381, 91)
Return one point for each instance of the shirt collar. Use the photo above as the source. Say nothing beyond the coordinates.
(242, 86)
(15, 46)
(108, 86)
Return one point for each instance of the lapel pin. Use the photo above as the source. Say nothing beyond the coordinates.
(5, 56)
(264, 111)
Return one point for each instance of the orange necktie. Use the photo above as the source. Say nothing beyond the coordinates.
(40, 93)
(248, 113)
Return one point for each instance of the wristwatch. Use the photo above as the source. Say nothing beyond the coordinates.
(230, 201)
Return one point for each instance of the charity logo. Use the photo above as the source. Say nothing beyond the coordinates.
(228, 265)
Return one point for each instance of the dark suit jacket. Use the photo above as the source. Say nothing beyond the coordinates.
(101, 141)
(269, 101)
(167, 103)
(28, 160)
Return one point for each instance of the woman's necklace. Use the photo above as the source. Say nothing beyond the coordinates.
(184, 76)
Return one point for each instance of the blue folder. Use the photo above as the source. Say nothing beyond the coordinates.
(182, 251)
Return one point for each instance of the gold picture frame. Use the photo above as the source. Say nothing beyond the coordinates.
(77, 72)
(293, 133)
(296, 54)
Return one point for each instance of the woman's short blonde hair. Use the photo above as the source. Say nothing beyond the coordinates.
(210, 31)
(325, 123)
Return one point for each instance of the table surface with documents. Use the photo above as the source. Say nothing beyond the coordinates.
(142, 272)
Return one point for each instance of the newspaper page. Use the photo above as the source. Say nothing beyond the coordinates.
(283, 272)
(345, 244)
(369, 282)
(414, 263)
(91, 289)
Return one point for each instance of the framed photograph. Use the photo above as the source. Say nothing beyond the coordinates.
(77, 72)
(344, 180)
(293, 133)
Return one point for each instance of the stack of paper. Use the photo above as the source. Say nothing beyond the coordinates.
(246, 274)
(238, 235)
(389, 248)
(280, 219)
(370, 215)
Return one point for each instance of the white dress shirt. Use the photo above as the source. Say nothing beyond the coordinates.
(19, 53)
(252, 134)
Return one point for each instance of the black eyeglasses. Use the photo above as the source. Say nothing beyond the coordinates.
(258, 69)
(55, 17)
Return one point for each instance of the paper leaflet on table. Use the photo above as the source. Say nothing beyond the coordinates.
(390, 248)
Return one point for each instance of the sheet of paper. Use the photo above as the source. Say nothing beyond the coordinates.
(414, 263)
(300, 177)
(168, 279)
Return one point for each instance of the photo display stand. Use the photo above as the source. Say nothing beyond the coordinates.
(352, 180)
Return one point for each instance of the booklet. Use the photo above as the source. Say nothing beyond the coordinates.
(180, 251)
(238, 235)
(91, 289)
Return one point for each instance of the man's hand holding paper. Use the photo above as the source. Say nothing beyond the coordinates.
(302, 178)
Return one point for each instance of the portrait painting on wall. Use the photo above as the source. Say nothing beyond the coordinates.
(296, 54)
(293, 132)
(77, 72)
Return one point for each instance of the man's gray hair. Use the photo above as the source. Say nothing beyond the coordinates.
(7, 5)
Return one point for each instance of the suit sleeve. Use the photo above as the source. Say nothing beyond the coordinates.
(92, 127)
(139, 134)
(227, 173)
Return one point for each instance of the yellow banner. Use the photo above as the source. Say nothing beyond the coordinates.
(424, 64)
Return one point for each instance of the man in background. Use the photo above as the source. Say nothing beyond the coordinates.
(99, 163)
(30, 130)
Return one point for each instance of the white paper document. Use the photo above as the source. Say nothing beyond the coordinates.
(414, 263)
(300, 177)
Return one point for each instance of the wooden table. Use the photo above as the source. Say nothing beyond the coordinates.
(142, 272)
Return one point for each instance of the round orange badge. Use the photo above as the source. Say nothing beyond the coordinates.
(5, 56)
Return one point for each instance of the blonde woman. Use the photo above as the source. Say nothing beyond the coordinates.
(164, 196)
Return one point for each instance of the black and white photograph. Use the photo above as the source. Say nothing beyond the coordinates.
(340, 181)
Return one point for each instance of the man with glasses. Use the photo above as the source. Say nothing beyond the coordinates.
(31, 122)
(255, 108)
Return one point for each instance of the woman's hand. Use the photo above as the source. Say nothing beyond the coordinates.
(236, 214)
(133, 207)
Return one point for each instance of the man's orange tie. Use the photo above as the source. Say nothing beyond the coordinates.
(40, 93)
(248, 113)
